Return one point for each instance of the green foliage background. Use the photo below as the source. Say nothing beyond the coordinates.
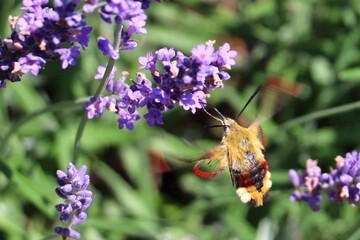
(315, 43)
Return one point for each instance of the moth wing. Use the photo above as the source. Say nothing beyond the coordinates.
(275, 95)
(212, 162)
(256, 130)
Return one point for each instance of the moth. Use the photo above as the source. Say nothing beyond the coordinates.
(241, 151)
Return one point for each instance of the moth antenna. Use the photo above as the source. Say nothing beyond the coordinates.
(218, 119)
(213, 126)
(249, 100)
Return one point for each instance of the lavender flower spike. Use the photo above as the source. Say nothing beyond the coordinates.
(41, 34)
(175, 79)
(308, 185)
(341, 183)
(72, 188)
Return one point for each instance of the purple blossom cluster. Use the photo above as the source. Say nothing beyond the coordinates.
(176, 79)
(43, 33)
(341, 183)
(128, 13)
(40, 35)
(72, 188)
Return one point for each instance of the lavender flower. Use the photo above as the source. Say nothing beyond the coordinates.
(180, 79)
(42, 33)
(72, 188)
(128, 13)
(39, 35)
(106, 48)
(89, 6)
(145, 4)
(308, 185)
(341, 183)
(346, 179)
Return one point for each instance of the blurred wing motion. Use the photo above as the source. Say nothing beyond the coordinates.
(275, 95)
(259, 133)
(212, 162)
(157, 165)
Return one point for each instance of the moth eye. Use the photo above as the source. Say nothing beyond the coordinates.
(226, 127)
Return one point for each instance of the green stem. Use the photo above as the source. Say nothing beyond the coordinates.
(102, 85)
(321, 114)
(50, 108)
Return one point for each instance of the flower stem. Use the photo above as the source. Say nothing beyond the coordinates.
(323, 113)
(102, 85)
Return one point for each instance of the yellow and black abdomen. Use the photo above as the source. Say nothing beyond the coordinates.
(252, 179)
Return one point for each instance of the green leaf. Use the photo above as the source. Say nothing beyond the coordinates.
(31, 191)
(351, 74)
(125, 194)
(322, 71)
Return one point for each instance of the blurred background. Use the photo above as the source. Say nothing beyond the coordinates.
(142, 180)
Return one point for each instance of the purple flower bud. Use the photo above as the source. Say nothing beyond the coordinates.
(66, 189)
(346, 179)
(59, 230)
(84, 193)
(294, 177)
(128, 45)
(127, 119)
(145, 4)
(225, 56)
(67, 56)
(165, 55)
(31, 63)
(313, 201)
(60, 175)
(96, 107)
(90, 6)
(64, 216)
(106, 48)
(68, 232)
(78, 199)
(153, 117)
(203, 54)
(148, 62)
(129, 12)
(60, 193)
(83, 37)
(327, 180)
(60, 207)
(79, 218)
(71, 171)
(312, 168)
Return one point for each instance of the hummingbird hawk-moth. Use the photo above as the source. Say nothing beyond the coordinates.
(241, 151)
